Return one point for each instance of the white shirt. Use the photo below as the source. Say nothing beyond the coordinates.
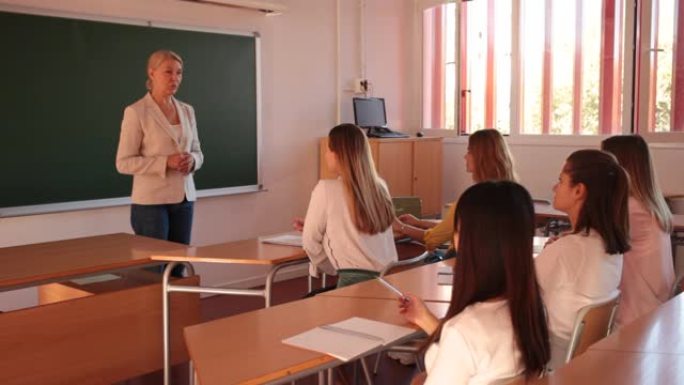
(331, 238)
(648, 274)
(573, 272)
(477, 346)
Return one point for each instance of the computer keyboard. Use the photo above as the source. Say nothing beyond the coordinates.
(384, 132)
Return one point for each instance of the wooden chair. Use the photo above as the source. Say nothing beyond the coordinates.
(593, 322)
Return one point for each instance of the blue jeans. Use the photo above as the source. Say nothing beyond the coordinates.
(170, 222)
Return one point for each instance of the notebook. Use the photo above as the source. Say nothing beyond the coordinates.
(350, 338)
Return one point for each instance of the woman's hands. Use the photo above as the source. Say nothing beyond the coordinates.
(298, 223)
(410, 219)
(415, 311)
(181, 162)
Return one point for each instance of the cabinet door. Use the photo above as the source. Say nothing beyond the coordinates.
(394, 163)
(427, 174)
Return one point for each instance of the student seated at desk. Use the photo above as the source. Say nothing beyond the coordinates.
(584, 266)
(495, 329)
(488, 158)
(648, 271)
(348, 225)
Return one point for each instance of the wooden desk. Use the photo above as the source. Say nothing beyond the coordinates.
(624, 368)
(544, 211)
(247, 348)
(91, 338)
(249, 252)
(420, 281)
(32, 265)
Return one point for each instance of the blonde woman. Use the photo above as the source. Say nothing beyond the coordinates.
(648, 272)
(160, 147)
(488, 159)
(348, 225)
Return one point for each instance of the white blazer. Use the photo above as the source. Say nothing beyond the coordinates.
(146, 140)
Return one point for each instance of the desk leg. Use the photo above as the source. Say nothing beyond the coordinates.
(192, 380)
(165, 321)
(271, 276)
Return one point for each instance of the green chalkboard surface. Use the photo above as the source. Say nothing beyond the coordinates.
(64, 84)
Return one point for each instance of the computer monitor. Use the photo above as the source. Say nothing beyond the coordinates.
(370, 112)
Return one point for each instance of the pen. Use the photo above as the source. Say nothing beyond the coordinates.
(391, 287)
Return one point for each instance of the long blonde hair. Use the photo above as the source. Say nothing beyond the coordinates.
(156, 59)
(371, 208)
(633, 155)
(491, 156)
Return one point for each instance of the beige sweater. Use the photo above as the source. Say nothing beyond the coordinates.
(331, 239)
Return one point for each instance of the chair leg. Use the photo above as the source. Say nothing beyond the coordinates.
(377, 363)
(366, 372)
(419, 365)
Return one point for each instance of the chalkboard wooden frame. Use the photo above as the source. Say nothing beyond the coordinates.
(40, 208)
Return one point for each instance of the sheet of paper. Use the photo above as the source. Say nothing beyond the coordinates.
(288, 239)
(538, 245)
(94, 279)
(350, 338)
(388, 332)
(445, 270)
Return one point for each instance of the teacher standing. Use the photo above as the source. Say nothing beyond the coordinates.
(160, 147)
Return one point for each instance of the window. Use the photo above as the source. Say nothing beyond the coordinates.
(553, 67)
(660, 84)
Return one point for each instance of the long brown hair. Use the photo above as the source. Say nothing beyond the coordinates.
(492, 158)
(607, 189)
(371, 203)
(495, 221)
(632, 153)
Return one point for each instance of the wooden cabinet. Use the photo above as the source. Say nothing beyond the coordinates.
(411, 167)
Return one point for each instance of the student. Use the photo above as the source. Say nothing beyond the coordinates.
(495, 329)
(584, 266)
(348, 225)
(488, 158)
(648, 272)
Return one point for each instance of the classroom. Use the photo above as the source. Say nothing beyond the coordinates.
(314, 53)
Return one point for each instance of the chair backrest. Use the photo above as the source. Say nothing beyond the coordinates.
(406, 262)
(678, 286)
(593, 322)
(407, 205)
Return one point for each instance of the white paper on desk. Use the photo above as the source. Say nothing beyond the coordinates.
(538, 245)
(444, 279)
(445, 270)
(95, 279)
(284, 239)
(347, 346)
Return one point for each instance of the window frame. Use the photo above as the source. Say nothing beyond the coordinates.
(631, 108)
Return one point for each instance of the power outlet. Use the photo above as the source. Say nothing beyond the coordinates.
(360, 85)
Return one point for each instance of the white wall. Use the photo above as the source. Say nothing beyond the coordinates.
(299, 96)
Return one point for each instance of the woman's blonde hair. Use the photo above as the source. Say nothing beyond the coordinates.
(633, 155)
(371, 209)
(491, 156)
(156, 59)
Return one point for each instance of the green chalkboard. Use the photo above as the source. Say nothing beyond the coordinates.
(64, 84)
